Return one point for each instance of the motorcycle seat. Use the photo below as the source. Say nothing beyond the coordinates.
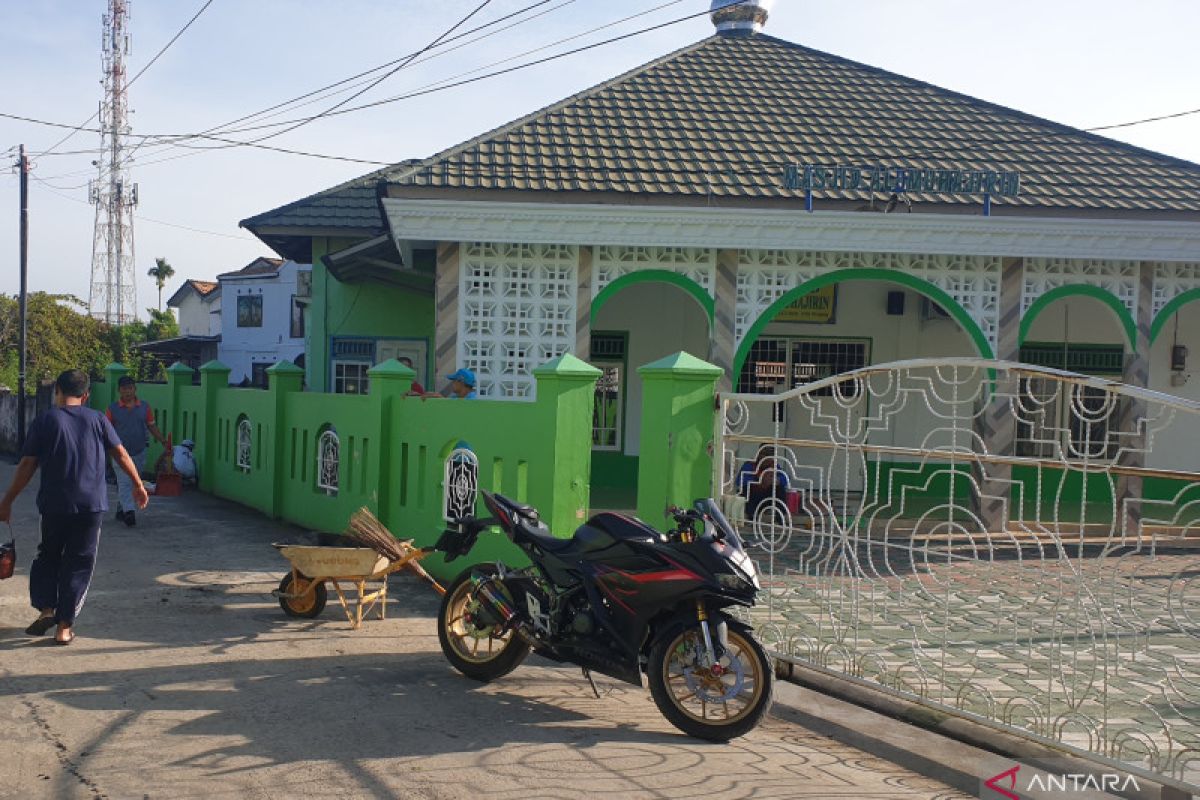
(543, 538)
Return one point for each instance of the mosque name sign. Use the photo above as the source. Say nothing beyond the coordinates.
(897, 180)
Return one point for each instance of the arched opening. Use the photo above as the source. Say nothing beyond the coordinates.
(831, 325)
(939, 304)
(637, 319)
(1099, 316)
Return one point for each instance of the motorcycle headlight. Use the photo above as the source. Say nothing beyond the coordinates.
(729, 580)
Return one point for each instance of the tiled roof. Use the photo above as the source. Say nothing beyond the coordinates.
(352, 204)
(259, 266)
(202, 288)
(722, 118)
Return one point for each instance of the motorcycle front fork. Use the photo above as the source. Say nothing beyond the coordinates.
(709, 650)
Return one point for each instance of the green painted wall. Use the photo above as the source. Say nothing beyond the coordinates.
(678, 415)
(392, 448)
(362, 309)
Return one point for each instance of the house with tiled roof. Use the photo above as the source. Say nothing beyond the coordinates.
(782, 212)
(197, 306)
(262, 317)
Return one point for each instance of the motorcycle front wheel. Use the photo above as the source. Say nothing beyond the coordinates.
(481, 651)
(718, 702)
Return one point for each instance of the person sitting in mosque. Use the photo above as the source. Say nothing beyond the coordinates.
(762, 479)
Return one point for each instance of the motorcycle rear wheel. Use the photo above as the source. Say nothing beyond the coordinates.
(717, 705)
(480, 653)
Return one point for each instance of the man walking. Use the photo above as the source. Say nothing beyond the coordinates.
(134, 422)
(69, 443)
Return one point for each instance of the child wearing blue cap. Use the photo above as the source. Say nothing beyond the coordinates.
(462, 385)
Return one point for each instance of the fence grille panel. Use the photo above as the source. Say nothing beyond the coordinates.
(1011, 542)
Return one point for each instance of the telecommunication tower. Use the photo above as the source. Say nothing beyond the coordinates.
(113, 295)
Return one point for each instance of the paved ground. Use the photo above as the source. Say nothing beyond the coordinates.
(1096, 646)
(188, 681)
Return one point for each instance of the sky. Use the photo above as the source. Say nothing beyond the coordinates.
(1084, 63)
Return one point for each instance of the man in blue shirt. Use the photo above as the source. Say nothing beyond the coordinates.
(68, 443)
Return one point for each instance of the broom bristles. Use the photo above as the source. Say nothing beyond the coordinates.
(366, 529)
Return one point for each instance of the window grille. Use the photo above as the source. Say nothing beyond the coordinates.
(773, 359)
(351, 377)
(244, 444)
(606, 413)
(328, 455)
(461, 485)
(608, 346)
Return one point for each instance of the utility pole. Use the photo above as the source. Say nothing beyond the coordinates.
(113, 295)
(23, 167)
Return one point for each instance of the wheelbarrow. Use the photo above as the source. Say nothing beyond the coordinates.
(302, 592)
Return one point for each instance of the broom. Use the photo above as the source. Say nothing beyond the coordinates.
(366, 529)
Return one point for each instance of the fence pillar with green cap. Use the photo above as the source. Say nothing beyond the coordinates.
(178, 376)
(214, 377)
(283, 379)
(678, 414)
(566, 389)
(389, 381)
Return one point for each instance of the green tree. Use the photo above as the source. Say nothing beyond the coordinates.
(162, 325)
(60, 336)
(161, 272)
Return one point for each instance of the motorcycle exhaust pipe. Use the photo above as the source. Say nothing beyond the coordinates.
(501, 603)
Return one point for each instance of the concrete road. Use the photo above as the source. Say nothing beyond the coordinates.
(188, 681)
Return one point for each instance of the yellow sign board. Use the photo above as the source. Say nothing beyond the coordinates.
(819, 307)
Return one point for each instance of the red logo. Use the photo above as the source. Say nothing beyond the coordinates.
(1011, 775)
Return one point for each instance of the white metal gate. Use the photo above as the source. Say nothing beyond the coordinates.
(1025, 549)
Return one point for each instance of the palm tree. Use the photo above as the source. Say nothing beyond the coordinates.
(161, 272)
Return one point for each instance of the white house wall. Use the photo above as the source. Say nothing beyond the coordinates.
(194, 317)
(241, 348)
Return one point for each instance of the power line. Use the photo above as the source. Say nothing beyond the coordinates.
(379, 80)
(178, 139)
(442, 86)
(79, 127)
(151, 219)
(293, 101)
(310, 94)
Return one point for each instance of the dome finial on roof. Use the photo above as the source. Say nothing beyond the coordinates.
(744, 17)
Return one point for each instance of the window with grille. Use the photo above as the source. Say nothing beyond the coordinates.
(773, 359)
(608, 353)
(350, 377)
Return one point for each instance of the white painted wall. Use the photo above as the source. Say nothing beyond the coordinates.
(195, 315)
(661, 319)
(1175, 447)
(241, 348)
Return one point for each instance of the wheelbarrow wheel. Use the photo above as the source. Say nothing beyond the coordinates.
(309, 604)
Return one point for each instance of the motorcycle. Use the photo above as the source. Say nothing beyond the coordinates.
(621, 599)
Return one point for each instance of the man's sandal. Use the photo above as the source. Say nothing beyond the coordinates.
(40, 626)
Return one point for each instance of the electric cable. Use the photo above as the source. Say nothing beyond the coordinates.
(79, 127)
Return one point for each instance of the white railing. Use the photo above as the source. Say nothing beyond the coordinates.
(1016, 544)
